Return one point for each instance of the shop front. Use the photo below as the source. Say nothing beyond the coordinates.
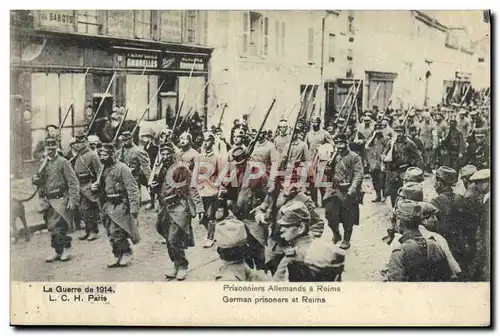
(51, 71)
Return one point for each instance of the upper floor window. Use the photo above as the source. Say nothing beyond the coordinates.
(255, 34)
(310, 46)
(190, 30)
(88, 22)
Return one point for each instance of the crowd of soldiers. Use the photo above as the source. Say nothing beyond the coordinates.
(268, 228)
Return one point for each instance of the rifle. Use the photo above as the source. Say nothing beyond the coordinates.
(388, 157)
(100, 104)
(221, 116)
(146, 109)
(351, 106)
(184, 97)
(254, 141)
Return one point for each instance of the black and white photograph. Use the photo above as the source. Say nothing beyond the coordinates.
(250, 146)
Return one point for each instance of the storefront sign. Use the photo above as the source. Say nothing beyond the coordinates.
(140, 60)
(179, 62)
(186, 63)
(60, 20)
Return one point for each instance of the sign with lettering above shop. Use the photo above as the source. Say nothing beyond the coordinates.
(141, 60)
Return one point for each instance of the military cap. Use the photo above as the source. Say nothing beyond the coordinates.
(207, 135)
(399, 128)
(455, 105)
(447, 175)
(218, 130)
(367, 118)
(438, 113)
(452, 118)
(51, 142)
(411, 113)
(239, 133)
(426, 114)
(473, 113)
(323, 254)
(413, 128)
(230, 233)
(340, 120)
(147, 134)
(412, 191)
(467, 171)
(81, 137)
(293, 213)
(368, 114)
(480, 175)
(186, 135)
(427, 210)
(413, 174)
(167, 146)
(282, 123)
(115, 116)
(239, 154)
(378, 126)
(94, 139)
(126, 135)
(408, 210)
(108, 147)
(462, 111)
(253, 131)
(375, 107)
(340, 137)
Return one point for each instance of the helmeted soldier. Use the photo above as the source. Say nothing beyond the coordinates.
(374, 149)
(415, 258)
(267, 214)
(134, 158)
(232, 247)
(121, 197)
(454, 224)
(58, 183)
(282, 138)
(293, 225)
(180, 202)
(316, 137)
(87, 166)
(342, 199)
(399, 154)
(187, 153)
(210, 165)
(452, 146)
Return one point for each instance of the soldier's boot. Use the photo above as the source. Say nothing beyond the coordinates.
(114, 261)
(66, 255)
(336, 235)
(181, 274)
(346, 243)
(171, 272)
(92, 236)
(53, 256)
(125, 260)
(83, 235)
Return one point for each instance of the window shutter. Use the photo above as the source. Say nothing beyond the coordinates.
(265, 36)
(245, 33)
(310, 51)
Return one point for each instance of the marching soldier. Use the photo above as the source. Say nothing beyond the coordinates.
(387, 130)
(453, 216)
(316, 137)
(58, 183)
(179, 201)
(413, 136)
(87, 166)
(293, 222)
(299, 152)
(187, 154)
(463, 123)
(151, 149)
(282, 138)
(211, 163)
(134, 158)
(342, 200)
(121, 197)
(428, 134)
(400, 153)
(415, 258)
(237, 141)
(52, 132)
(452, 147)
(374, 150)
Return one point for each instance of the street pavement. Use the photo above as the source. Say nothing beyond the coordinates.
(364, 259)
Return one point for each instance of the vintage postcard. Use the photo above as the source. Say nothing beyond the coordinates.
(250, 167)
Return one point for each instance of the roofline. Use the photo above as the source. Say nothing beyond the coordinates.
(428, 20)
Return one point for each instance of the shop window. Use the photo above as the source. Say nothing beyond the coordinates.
(88, 22)
(310, 49)
(190, 30)
(143, 24)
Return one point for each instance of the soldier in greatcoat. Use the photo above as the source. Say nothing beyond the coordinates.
(316, 137)
(452, 146)
(180, 202)
(120, 197)
(374, 149)
(58, 183)
(428, 134)
(478, 152)
(342, 199)
(282, 137)
(87, 166)
(187, 153)
(151, 149)
(135, 158)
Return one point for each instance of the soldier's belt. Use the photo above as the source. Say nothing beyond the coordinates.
(55, 193)
(114, 198)
(84, 178)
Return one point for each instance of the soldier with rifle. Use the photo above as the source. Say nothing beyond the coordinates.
(374, 149)
(342, 199)
(87, 166)
(135, 158)
(179, 203)
(282, 137)
(58, 184)
(187, 153)
(119, 194)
